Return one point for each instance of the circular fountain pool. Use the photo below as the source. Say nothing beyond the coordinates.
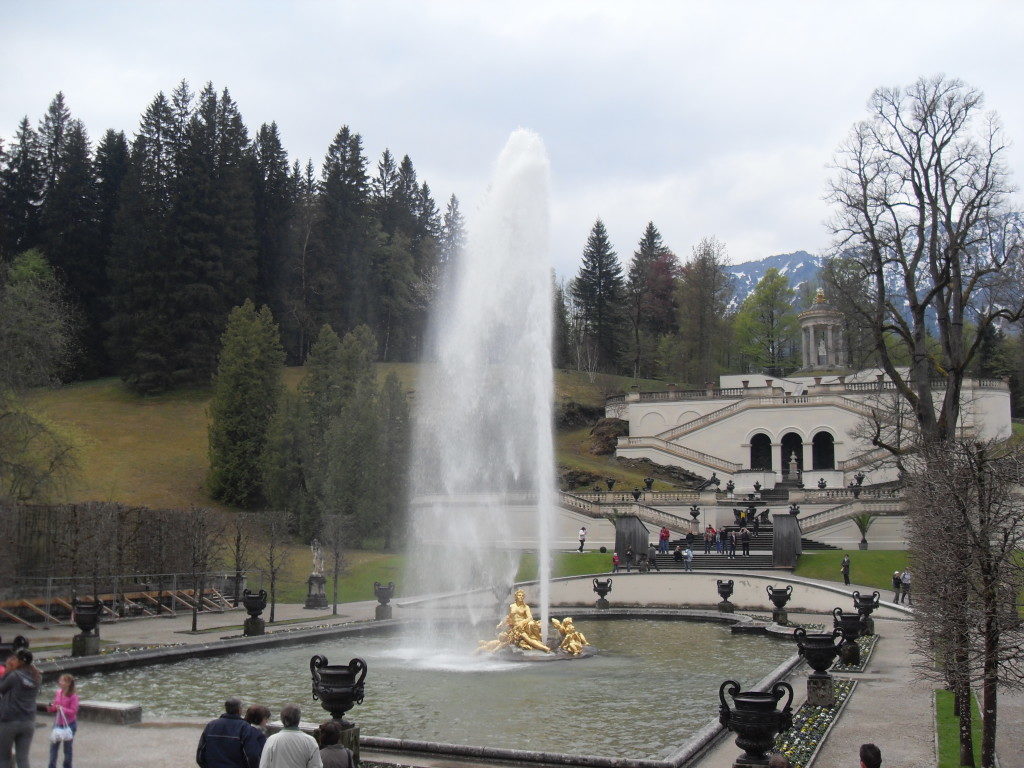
(651, 684)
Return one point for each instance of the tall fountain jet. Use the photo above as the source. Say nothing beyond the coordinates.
(483, 458)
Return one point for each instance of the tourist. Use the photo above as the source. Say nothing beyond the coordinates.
(229, 741)
(677, 554)
(757, 525)
(720, 540)
(688, 560)
(897, 586)
(629, 558)
(870, 756)
(779, 760)
(19, 689)
(583, 538)
(845, 568)
(663, 536)
(905, 583)
(731, 545)
(615, 562)
(652, 558)
(258, 717)
(290, 747)
(745, 541)
(332, 753)
(65, 705)
(709, 536)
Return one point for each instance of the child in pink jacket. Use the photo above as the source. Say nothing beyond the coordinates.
(65, 702)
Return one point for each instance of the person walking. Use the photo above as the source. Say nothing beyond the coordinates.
(583, 538)
(229, 741)
(757, 525)
(19, 689)
(905, 583)
(652, 558)
(290, 747)
(332, 752)
(663, 538)
(845, 568)
(615, 562)
(731, 545)
(629, 559)
(688, 560)
(745, 541)
(65, 705)
(897, 586)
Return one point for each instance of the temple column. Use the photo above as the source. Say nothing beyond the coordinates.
(808, 451)
(777, 461)
(829, 350)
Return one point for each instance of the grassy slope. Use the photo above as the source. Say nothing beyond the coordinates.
(871, 568)
(947, 727)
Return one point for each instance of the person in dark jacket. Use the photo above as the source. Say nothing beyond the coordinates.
(333, 754)
(229, 741)
(19, 689)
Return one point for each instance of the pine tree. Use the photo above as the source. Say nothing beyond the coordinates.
(650, 292)
(598, 292)
(453, 233)
(703, 296)
(21, 183)
(246, 391)
(395, 430)
(766, 326)
(273, 200)
(53, 132)
(561, 354)
(299, 276)
(71, 231)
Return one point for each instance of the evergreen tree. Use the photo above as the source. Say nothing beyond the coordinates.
(561, 354)
(283, 464)
(395, 433)
(246, 391)
(273, 199)
(71, 231)
(21, 183)
(703, 297)
(140, 340)
(650, 292)
(766, 327)
(598, 292)
(453, 233)
(53, 132)
(298, 275)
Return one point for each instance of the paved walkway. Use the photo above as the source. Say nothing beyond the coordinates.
(890, 707)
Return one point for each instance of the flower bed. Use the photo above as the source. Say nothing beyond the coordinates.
(810, 727)
(867, 647)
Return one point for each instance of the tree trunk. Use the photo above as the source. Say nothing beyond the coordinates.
(273, 594)
(334, 610)
(962, 707)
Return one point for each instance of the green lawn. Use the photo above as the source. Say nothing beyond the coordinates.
(355, 584)
(566, 564)
(947, 726)
(871, 568)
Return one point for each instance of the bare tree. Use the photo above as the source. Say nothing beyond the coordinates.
(203, 531)
(275, 551)
(966, 539)
(334, 533)
(240, 540)
(920, 193)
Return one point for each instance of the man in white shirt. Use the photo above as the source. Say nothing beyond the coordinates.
(583, 538)
(291, 748)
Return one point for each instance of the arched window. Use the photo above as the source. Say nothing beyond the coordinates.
(761, 452)
(792, 446)
(824, 451)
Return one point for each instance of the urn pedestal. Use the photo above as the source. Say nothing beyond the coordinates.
(254, 603)
(602, 588)
(779, 597)
(850, 626)
(725, 592)
(819, 650)
(87, 618)
(383, 593)
(316, 596)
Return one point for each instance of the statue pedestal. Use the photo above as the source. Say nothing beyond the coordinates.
(316, 597)
(821, 692)
(350, 738)
(867, 627)
(383, 612)
(602, 603)
(85, 645)
(849, 653)
(254, 625)
(779, 616)
(726, 607)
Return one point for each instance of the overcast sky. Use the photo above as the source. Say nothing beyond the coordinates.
(712, 118)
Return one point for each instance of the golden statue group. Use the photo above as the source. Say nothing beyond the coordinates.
(520, 630)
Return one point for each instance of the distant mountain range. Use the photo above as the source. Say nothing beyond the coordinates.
(799, 267)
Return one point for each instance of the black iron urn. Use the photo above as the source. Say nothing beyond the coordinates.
(87, 617)
(255, 603)
(602, 588)
(819, 649)
(850, 625)
(754, 718)
(865, 605)
(725, 592)
(383, 593)
(338, 687)
(779, 597)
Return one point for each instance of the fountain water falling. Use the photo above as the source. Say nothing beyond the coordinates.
(483, 446)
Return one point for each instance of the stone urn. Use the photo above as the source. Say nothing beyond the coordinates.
(648, 483)
(338, 687)
(730, 487)
(794, 509)
(849, 624)
(819, 649)
(610, 482)
(695, 512)
(757, 486)
(87, 619)
(636, 494)
(755, 719)
(255, 603)
(383, 593)
(865, 605)
(779, 597)
(602, 588)
(725, 592)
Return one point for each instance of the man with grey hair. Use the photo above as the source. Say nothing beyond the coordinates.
(291, 748)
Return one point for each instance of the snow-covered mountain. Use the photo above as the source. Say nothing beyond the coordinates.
(799, 267)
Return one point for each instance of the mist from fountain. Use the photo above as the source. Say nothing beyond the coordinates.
(482, 435)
